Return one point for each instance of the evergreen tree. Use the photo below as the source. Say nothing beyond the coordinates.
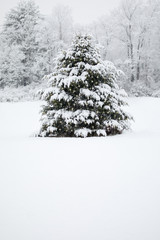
(83, 98)
(20, 30)
(11, 66)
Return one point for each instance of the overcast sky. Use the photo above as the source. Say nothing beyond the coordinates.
(83, 11)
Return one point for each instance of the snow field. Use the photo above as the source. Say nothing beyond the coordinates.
(72, 188)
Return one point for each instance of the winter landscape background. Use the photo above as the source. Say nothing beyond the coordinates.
(73, 188)
(128, 36)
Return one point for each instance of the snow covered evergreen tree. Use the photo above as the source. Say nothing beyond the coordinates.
(20, 30)
(83, 98)
(11, 66)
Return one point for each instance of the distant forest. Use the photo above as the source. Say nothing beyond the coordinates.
(129, 37)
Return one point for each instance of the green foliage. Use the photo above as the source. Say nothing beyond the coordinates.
(83, 98)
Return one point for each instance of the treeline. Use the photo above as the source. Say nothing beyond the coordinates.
(29, 42)
(129, 36)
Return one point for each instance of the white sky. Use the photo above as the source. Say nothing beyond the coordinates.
(83, 11)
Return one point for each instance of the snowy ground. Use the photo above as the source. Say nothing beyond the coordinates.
(79, 189)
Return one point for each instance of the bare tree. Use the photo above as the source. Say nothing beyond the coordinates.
(62, 22)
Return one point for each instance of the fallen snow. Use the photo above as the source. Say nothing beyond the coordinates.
(104, 188)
